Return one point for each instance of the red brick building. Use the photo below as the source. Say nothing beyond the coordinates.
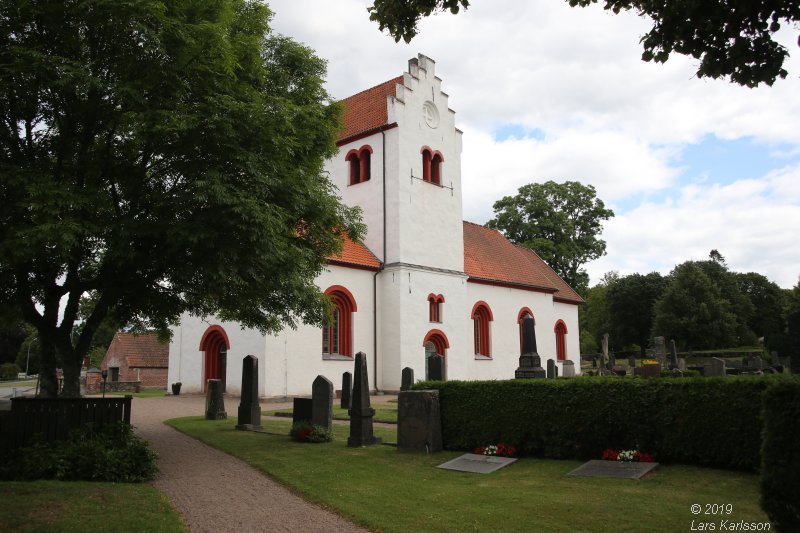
(137, 358)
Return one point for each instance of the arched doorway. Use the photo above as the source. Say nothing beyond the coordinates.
(435, 341)
(215, 346)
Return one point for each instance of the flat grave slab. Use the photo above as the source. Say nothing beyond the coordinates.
(477, 464)
(618, 469)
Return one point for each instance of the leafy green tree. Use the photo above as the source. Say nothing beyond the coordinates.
(560, 221)
(739, 303)
(767, 299)
(630, 304)
(729, 38)
(594, 319)
(164, 158)
(692, 310)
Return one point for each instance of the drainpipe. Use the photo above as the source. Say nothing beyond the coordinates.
(375, 276)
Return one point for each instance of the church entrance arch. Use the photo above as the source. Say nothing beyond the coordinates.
(435, 341)
(215, 346)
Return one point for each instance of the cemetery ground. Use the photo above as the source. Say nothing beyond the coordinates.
(386, 413)
(384, 490)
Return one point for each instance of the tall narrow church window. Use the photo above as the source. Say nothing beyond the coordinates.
(481, 316)
(427, 156)
(337, 333)
(561, 340)
(359, 164)
(436, 168)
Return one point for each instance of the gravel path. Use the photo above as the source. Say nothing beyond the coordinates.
(215, 491)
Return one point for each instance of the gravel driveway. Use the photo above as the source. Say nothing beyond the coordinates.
(215, 491)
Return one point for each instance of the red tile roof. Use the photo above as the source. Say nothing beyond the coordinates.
(367, 110)
(356, 255)
(490, 257)
(140, 350)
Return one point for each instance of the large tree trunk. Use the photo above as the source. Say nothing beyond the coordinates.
(48, 381)
(72, 376)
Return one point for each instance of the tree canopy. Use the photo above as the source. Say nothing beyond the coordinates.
(161, 158)
(732, 39)
(559, 221)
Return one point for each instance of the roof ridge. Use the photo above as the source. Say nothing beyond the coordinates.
(373, 87)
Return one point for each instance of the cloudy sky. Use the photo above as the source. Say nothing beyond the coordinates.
(545, 91)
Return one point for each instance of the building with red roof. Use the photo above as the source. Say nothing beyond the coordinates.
(422, 281)
(137, 359)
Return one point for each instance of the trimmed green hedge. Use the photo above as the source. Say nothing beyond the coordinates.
(702, 421)
(780, 470)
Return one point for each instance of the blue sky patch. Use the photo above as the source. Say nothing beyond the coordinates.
(518, 131)
(715, 160)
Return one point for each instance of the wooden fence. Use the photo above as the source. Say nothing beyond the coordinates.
(52, 419)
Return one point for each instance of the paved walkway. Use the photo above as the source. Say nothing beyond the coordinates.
(215, 491)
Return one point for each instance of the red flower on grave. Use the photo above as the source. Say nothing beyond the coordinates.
(303, 434)
(610, 455)
(644, 457)
(478, 450)
(510, 451)
(501, 449)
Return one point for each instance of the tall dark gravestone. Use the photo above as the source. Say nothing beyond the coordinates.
(215, 405)
(530, 364)
(249, 408)
(347, 390)
(551, 369)
(673, 355)
(322, 402)
(360, 412)
(419, 422)
(436, 367)
(407, 379)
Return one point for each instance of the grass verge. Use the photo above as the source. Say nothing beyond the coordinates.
(79, 506)
(387, 491)
(383, 413)
(143, 394)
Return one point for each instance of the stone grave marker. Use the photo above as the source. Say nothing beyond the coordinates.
(530, 363)
(632, 362)
(717, 367)
(604, 346)
(673, 355)
(301, 410)
(551, 369)
(478, 464)
(249, 408)
(568, 368)
(361, 413)
(618, 469)
(594, 361)
(681, 364)
(215, 405)
(322, 402)
(436, 367)
(661, 350)
(419, 422)
(407, 379)
(347, 390)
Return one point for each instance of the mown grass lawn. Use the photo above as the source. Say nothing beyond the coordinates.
(79, 506)
(383, 413)
(156, 393)
(390, 491)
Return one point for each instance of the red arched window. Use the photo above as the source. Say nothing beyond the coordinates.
(337, 333)
(561, 340)
(431, 165)
(436, 168)
(481, 316)
(359, 164)
(439, 340)
(525, 311)
(427, 156)
(435, 302)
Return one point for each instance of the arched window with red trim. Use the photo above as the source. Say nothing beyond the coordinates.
(427, 156)
(481, 316)
(360, 164)
(435, 302)
(525, 311)
(436, 168)
(561, 340)
(337, 332)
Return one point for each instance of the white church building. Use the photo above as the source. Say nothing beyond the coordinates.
(422, 277)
